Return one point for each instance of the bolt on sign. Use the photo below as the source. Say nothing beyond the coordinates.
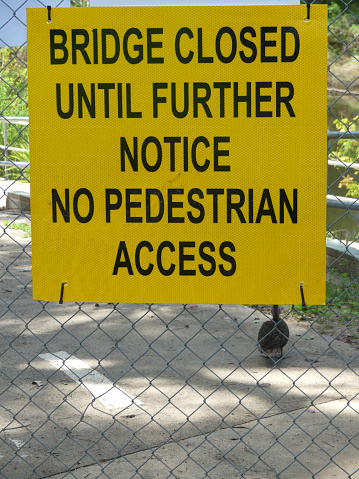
(178, 154)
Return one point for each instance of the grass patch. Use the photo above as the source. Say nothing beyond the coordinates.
(18, 226)
(341, 309)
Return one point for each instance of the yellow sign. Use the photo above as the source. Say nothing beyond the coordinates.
(178, 154)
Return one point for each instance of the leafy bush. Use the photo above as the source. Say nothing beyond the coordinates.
(343, 35)
(348, 152)
(13, 90)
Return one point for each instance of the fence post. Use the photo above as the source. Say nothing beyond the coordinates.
(5, 149)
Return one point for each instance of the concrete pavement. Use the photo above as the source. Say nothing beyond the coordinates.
(206, 401)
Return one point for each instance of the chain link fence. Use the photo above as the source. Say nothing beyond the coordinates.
(179, 391)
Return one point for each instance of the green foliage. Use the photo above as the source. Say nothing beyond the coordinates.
(342, 302)
(334, 11)
(343, 27)
(19, 173)
(13, 92)
(79, 3)
(23, 156)
(336, 7)
(343, 34)
(18, 226)
(348, 151)
(15, 173)
(13, 81)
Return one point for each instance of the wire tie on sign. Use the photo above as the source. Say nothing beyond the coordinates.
(48, 14)
(302, 294)
(308, 12)
(62, 292)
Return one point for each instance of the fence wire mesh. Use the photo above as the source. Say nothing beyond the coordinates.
(179, 391)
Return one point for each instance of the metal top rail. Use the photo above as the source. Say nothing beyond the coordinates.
(24, 120)
(18, 120)
(342, 134)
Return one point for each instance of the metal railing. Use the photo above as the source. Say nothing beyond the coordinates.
(332, 200)
(8, 148)
(12, 120)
